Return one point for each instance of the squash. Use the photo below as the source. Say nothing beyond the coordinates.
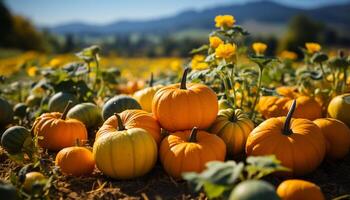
(307, 108)
(31, 179)
(254, 190)
(118, 104)
(132, 119)
(125, 154)
(58, 102)
(145, 96)
(14, 139)
(339, 108)
(9, 191)
(233, 127)
(33, 100)
(189, 151)
(272, 106)
(184, 106)
(6, 112)
(337, 136)
(88, 113)
(57, 132)
(295, 189)
(297, 143)
(288, 91)
(75, 161)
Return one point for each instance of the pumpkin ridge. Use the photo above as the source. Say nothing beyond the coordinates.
(112, 152)
(311, 141)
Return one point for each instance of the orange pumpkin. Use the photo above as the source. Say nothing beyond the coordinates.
(297, 143)
(75, 161)
(184, 106)
(133, 119)
(295, 189)
(189, 151)
(288, 91)
(57, 132)
(272, 106)
(307, 108)
(337, 136)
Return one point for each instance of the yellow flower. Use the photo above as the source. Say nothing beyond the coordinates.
(225, 50)
(215, 42)
(313, 47)
(56, 62)
(259, 48)
(224, 21)
(288, 55)
(32, 71)
(198, 62)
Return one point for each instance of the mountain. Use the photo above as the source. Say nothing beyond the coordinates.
(259, 12)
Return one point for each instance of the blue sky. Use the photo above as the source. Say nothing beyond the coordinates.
(53, 12)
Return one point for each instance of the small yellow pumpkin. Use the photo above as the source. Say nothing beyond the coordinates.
(233, 127)
(295, 189)
(125, 154)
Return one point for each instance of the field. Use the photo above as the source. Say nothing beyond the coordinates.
(229, 123)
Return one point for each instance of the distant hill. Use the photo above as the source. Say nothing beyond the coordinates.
(272, 14)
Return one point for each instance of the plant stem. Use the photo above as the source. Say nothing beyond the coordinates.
(286, 127)
(121, 126)
(183, 80)
(97, 75)
(66, 109)
(151, 80)
(226, 88)
(323, 72)
(345, 78)
(257, 93)
(193, 135)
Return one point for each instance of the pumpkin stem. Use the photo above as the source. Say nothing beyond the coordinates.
(286, 128)
(234, 117)
(183, 80)
(77, 142)
(121, 127)
(193, 135)
(66, 109)
(151, 80)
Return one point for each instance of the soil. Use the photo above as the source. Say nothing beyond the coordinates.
(332, 176)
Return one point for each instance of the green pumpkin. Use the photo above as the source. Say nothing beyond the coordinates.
(8, 191)
(88, 113)
(254, 190)
(15, 138)
(6, 112)
(58, 102)
(20, 110)
(118, 104)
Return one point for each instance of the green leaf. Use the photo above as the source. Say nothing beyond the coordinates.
(214, 191)
(319, 57)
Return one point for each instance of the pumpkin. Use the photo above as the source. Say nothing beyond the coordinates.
(233, 127)
(58, 102)
(75, 161)
(272, 106)
(254, 190)
(9, 191)
(189, 151)
(307, 107)
(288, 91)
(88, 113)
(132, 119)
(297, 143)
(118, 104)
(339, 108)
(14, 139)
(31, 179)
(57, 132)
(295, 189)
(145, 96)
(20, 110)
(337, 136)
(184, 106)
(6, 112)
(125, 154)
